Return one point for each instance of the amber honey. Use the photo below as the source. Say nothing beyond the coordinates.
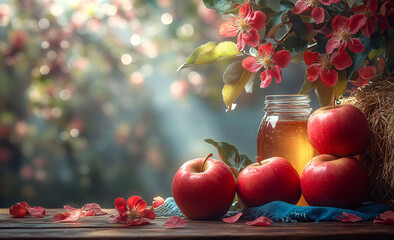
(283, 131)
(287, 139)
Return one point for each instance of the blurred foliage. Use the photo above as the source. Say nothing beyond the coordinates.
(76, 117)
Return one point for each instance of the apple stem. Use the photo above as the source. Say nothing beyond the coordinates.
(258, 160)
(203, 163)
(333, 102)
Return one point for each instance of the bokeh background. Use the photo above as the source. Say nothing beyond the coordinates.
(92, 106)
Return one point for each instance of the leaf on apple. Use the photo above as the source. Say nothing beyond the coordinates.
(260, 221)
(175, 222)
(232, 219)
(349, 217)
(230, 155)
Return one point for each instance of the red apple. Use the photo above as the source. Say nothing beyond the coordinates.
(339, 130)
(204, 188)
(332, 181)
(275, 179)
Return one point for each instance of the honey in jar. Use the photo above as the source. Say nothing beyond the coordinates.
(283, 131)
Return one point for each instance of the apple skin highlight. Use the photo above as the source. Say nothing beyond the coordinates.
(204, 191)
(331, 181)
(340, 130)
(274, 180)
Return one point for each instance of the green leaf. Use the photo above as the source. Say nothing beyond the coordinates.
(325, 95)
(358, 58)
(274, 24)
(210, 53)
(306, 86)
(321, 42)
(295, 45)
(300, 28)
(222, 6)
(230, 155)
(235, 78)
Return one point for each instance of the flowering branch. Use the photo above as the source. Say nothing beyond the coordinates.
(340, 41)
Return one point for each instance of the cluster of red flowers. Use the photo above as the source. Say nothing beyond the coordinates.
(326, 66)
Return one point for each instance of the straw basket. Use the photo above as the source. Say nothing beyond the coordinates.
(376, 101)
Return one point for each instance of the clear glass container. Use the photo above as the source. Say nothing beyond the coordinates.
(283, 131)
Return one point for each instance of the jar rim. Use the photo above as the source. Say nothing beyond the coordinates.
(294, 103)
(287, 97)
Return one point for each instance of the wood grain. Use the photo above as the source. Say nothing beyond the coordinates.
(97, 228)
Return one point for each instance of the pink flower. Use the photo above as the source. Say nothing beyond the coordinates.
(133, 212)
(245, 25)
(364, 75)
(366, 18)
(272, 63)
(321, 65)
(317, 11)
(342, 36)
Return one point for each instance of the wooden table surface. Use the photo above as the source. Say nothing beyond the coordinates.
(97, 228)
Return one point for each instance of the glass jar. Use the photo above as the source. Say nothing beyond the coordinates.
(283, 131)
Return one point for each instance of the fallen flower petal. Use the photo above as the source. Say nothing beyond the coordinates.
(117, 219)
(232, 219)
(37, 212)
(74, 216)
(137, 222)
(93, 207)
(59, 217)
(149, 214)
(349, 217)
(260, 221)
(89, 213)
(19, 209)
(175, 222)
(157, 201)
(385, 218)
(69, 208)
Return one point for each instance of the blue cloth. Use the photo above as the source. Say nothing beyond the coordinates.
(279, 211)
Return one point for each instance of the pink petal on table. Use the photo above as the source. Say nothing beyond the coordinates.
(137, 222)
(349, 217)
(71, 218)
(117, 219)
(149, 213)
(232, 219)
(175, 222)
(59, 217)
(260, 221)
(69, 208)
(95, 207)
(19, 209)
(385, 218)
(36, 212)
(88, 213)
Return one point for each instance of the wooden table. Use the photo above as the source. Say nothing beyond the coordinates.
(97, 228)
